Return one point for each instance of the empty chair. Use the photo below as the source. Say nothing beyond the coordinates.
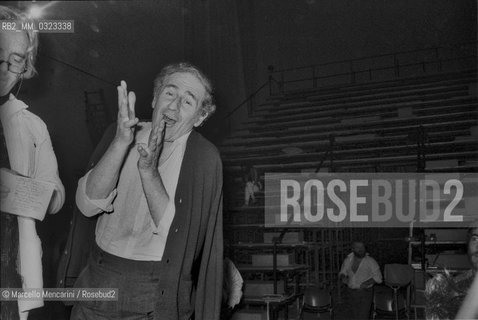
(398, 276)
(317, 300)
(418, 301)
(384, 302)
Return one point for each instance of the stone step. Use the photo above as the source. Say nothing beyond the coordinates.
(316, 141)
(351, 108)
(389, 85)
(383, 126)
(344, 99)
(377, 149)
(366, 162)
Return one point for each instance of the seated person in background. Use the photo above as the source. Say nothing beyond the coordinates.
(232, 289)
(26, 149)
(445, 293)
(360, 272)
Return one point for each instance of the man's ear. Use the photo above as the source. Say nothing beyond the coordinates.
(153, 103)
(29, 73)
(201, 119)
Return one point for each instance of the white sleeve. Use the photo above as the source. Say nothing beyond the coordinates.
(169, 211)
(343, 269)
(376, 273)
(47, 168)
(90, 207)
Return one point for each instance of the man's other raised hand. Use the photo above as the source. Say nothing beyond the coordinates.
(126, 115)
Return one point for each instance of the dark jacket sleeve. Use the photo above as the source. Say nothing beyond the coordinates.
(209, 286)
(81, 237)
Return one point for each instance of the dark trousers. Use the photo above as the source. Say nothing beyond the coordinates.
(9, 245)
(10, 277)
(137, 283)
(360, 301)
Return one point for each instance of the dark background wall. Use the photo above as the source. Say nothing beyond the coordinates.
(232, 41)
(296, 33)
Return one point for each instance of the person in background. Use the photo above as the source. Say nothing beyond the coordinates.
(464, 280)
(445, 293)
(360, 272)
(252, 186)
(469, 308)
(27, 151)
(232, 289)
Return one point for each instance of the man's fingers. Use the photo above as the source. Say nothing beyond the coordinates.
(162, 125)
(126, 102)
(142, 149)
(153, 139)
(131, 103)
(130, 123)
(161, 131)
(122, 104)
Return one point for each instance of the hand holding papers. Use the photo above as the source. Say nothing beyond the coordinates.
(25, 197)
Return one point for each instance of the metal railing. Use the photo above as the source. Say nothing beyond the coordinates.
(250, 102)
(279, 78)
(427, 56)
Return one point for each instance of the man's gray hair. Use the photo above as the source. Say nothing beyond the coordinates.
(207, 107)
(7, 13)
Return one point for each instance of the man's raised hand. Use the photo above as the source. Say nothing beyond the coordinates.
(126, 115)
(149, 155)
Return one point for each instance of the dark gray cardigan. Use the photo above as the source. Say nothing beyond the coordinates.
(193, 278)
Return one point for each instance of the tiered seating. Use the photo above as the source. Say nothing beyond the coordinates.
(374, 128)
(374, 125)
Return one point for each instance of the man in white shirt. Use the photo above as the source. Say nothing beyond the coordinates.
(157, 193)
(360, 272)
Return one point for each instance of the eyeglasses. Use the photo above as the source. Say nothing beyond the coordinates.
(15, 63)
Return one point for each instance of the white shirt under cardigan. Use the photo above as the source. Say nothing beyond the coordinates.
(367, 269)
(31, 154)
(125, 227)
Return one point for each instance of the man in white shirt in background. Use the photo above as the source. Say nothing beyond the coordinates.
(232, 289)
(360, 272)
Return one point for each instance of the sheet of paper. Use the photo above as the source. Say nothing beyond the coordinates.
(26, 197)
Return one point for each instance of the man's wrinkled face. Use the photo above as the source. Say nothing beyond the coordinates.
(13, 48)
(473, 249)
(179, 104)
(358, 248)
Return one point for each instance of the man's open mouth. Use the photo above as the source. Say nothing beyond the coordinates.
(169, 121)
